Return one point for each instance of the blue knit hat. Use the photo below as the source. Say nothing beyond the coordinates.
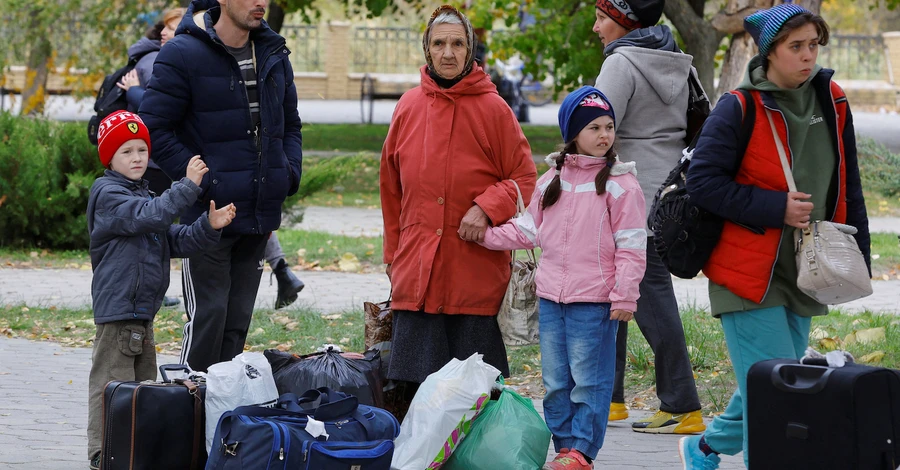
(580, 108)
(764, 25)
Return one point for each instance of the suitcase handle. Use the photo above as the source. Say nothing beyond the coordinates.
(800, 378)
(172, 367)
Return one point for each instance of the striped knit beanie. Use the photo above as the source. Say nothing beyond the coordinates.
(764, 25)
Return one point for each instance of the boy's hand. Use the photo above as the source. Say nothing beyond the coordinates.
(621, 315)
(196, 168)
(219, 218)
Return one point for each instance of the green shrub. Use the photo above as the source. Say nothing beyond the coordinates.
(879, 169)
(46, 172)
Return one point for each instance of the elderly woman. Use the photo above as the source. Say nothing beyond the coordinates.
(449, 169)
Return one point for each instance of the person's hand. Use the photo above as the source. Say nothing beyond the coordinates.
(797, 212)
(219, 218)
(473, 225)
(129, 80)
(196, 168)
(387, 270)
(621, 315)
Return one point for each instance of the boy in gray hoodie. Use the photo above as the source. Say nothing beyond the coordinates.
(645, 76)
(132, 240)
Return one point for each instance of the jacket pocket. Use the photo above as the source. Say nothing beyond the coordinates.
(131, 340)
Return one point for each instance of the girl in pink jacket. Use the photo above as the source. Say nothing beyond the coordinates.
(587, 216)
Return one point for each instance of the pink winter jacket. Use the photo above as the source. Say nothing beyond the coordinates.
(594, 248)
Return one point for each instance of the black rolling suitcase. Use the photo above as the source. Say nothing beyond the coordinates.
(818, 417)
(153, 425)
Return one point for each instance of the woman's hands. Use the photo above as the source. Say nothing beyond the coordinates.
(473, 225)
(621, 315)
(797, 212)
(129, 80)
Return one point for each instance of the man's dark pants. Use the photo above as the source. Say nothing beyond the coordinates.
(220, 287)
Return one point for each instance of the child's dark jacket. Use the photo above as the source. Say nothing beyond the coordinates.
(132, 240)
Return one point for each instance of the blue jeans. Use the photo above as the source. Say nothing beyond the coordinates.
(753, 336)
(578, 359)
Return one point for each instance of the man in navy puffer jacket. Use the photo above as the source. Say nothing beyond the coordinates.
(223, 89)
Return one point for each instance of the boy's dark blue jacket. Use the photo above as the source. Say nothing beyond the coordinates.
(196, 104)
(132, 240)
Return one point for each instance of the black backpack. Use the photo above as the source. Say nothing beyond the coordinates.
(685, 234)
(698, 108)
(110, 98)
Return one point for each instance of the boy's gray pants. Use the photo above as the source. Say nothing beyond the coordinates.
(658, 318)
(123, 350)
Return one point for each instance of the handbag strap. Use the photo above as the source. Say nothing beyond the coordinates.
(520, 210)
(788, 175)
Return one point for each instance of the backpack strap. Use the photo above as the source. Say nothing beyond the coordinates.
(748, 113)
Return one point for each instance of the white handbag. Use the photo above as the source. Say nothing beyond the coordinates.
(830, 267)
(518, 316)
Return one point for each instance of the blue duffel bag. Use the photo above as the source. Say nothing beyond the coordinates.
(252, 437)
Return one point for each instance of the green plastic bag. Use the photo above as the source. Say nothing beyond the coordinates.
(509, 434)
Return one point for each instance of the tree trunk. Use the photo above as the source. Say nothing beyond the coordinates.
(40, 57)
(276, 17)
(701, 39)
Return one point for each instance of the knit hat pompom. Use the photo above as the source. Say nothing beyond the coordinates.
(764, 25)
(632, 14)
(116, 129)
(581, 107)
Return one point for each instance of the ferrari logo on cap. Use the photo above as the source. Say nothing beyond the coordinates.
(133, 127)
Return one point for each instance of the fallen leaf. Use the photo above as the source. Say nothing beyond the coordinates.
(344, 340)
(819, 333)
(334, 316)
(257, 332)
(281, 320)
(33, 254)
(828, 343)
(871, 335)
(291, 326)
(850, 339)
(872, 358)
(284, 347)
(526, 367)
(349, 263)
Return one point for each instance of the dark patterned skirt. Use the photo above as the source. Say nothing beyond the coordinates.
(422, 343)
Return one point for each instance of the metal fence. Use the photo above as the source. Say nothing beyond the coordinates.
(304, 43)
(386, 50)
(855, 57)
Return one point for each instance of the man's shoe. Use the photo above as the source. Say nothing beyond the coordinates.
(693, 458)
(288, 284)
(170, 301)
(573, 460)
(667, 423)
(617, 412)
(95, 462)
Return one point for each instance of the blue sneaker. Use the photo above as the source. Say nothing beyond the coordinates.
(693, 458)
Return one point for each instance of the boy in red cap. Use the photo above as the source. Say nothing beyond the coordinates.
(132, 239)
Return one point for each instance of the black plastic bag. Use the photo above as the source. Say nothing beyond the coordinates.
(358, 377)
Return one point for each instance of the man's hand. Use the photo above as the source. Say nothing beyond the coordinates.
(196, 168)
(797, 212)
(387, 270)
(473, 225)
(621, 315)
(219, 218)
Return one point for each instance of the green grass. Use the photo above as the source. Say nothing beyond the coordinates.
(370, 138)
(885, 256)
(301, 330)
(324, 249)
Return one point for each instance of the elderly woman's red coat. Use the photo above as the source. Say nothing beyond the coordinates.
(446, 150)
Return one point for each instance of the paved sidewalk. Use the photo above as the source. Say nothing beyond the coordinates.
(43, 416)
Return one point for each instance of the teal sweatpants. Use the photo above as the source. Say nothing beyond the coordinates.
(753, 336)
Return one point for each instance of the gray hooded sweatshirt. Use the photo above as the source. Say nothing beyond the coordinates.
(645, 78)
(147, 49)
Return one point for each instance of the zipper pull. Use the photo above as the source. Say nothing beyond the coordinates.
(305, 451)
(232, 83)
(281, 454)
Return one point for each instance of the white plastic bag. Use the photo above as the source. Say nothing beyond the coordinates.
(246, 380)
(442, 412)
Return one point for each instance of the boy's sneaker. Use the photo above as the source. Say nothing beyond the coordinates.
(617, 412)
(693, 458)
(667, 423)
(95, 462)
(573, 460)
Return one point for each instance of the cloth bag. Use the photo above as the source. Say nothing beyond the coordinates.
(442, 412)
(518, 315)
(830, 266)
(245, 380)
(508, 434)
